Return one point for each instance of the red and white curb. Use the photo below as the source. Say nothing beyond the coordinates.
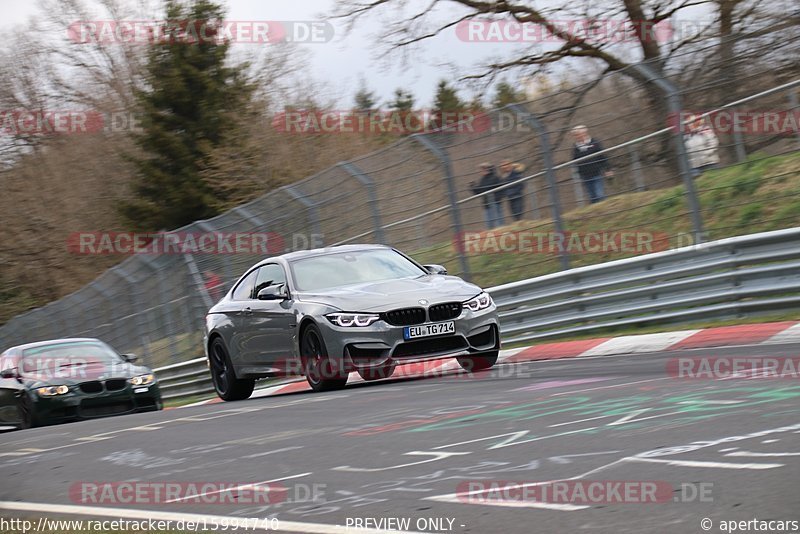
(725, 336)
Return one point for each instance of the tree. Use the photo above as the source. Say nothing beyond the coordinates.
(403, 101)
(364, 99)
(446, 102)
(506, 94)
(188, 109)
(737, 22)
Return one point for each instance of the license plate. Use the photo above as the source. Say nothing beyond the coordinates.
(425, 330)
(141, 390)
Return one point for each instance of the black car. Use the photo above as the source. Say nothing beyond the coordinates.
(65, 380)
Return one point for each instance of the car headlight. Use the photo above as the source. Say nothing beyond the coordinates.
(52, 391)
(481, 302)
(353, 319)
(142, 380)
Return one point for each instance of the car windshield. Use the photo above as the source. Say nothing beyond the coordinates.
(46, 358)
(347, 268)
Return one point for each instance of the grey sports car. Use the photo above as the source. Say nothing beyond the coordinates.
(327, 312)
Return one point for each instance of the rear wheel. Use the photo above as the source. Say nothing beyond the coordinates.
(318, 368)
(376, 373)
(478, 362)
(227, 386)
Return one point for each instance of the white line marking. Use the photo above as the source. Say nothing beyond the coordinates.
(463, 497)
(285, 526)
(697, 463)
(580, 421)
(762, 454)
(243, 486)
(511, 504)
(627, 418)
(723, 402)
(610, 386)
(273, 452)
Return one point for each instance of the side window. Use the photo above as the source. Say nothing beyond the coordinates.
(7, 361)
(269, 275)
(244, 290)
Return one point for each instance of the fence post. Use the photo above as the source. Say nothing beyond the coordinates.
(455, 211)
(547, 155)
(311, 207)
(738, 143)
(794, 106)
(675, 107)
(577, 186)
(136, 304)
(636, 167)
(168, 322)
(369, 185)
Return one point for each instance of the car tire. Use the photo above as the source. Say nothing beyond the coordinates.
(377, 373)
(316, 365)
(227, 386)
(478, 362)
(27, 417)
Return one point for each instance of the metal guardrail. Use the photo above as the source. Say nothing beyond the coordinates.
(186, 379)
(734, 277)
(192, 379)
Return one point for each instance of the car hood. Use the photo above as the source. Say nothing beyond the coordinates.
(392, 294)
(70, 376)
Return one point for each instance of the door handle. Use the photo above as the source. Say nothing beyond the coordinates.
(247, 311)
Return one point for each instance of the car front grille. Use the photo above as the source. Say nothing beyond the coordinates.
(425, 347)
(98, 386)
(94, 386)
(115, 384)
(404, 316)
(444, 312)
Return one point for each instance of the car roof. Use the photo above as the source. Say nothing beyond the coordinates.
(53, 342)
(300, 254)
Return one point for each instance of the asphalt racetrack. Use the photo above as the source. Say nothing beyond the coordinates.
(447, 454)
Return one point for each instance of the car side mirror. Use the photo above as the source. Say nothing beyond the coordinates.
(130, 358)
(435, 269)
(275, 292)
(11, 372)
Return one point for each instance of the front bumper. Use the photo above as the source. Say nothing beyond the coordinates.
(382, 343)
(79, 405)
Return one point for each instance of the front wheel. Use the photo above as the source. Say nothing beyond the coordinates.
(478, 362)
(227, 386)
(319, 369)
(25, 409)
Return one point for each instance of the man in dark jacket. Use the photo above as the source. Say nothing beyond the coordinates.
(594, 170)
(511, 172)
(492, 202)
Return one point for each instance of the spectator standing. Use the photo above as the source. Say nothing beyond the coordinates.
(511, 172)
(701, 146)
(593, 170)
(492, 202)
